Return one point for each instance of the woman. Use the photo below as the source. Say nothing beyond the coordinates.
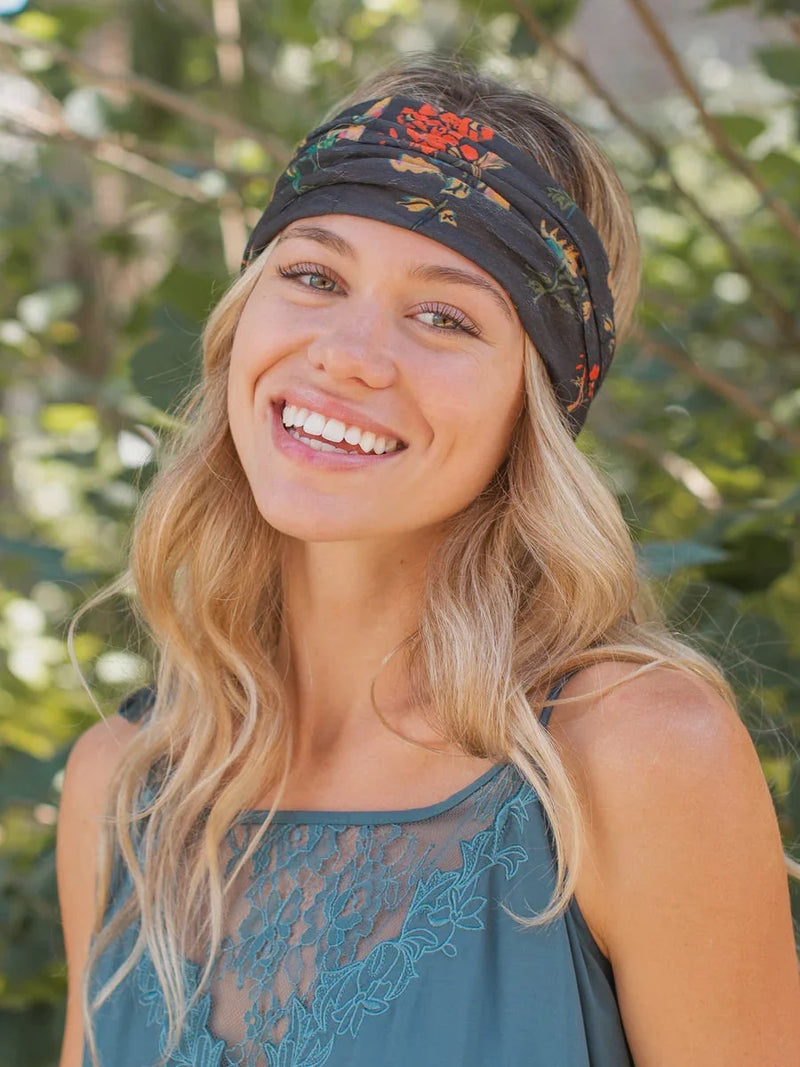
(345, 829)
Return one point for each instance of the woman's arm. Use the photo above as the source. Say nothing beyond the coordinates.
(684, 883)
(90, 767)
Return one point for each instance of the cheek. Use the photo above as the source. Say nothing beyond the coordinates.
(473, 423)
(481, 406)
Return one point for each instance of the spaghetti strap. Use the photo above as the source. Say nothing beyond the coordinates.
(136, 706)
(555, 692)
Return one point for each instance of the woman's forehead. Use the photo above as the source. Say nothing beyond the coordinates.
(357, 233)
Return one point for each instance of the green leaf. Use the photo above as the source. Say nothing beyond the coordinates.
(165, 368)
(30, 1037)
(782, 173)
(790, 503)
(782, 63)
(191, 292)
(741, 129)
(36, 562)
(780, 7)
(755, 559)
(662, 558)
(25, 779)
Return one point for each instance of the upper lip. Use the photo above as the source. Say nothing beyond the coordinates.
(335, 409)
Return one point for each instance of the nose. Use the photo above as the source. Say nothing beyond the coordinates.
(355, 346)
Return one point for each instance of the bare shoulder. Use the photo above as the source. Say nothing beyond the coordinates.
(94, 759)
(683, 884)
(91, 766)
(647, 721)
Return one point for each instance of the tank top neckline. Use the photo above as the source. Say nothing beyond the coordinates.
(364, 818)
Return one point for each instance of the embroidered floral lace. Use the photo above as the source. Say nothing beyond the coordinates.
(331, 917)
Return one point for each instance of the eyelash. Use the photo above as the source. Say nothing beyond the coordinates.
(299, 270)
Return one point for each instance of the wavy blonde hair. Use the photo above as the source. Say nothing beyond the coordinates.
(535, 579)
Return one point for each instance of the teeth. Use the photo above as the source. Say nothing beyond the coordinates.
(332, 431)
(314, 424)
(319, 446)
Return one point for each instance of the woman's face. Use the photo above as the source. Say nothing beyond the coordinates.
(360, 328)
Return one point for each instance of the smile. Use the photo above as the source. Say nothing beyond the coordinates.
(331, 435)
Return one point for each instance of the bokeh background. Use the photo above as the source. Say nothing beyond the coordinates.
(138, 142)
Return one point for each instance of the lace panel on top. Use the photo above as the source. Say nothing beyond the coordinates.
(327, 920)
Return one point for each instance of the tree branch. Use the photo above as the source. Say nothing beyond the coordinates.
(683, 470)
(105, 150)
(733, 394)
(660, 154)
(230, 63)
(160, 95)
(663, 45)
(158, 153)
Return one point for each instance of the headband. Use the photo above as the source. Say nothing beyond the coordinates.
(451, 178)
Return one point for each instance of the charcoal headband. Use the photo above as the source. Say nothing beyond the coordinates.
(451, 178)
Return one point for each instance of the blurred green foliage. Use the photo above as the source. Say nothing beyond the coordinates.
(123, 209)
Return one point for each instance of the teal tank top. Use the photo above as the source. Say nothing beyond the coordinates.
(383, 939)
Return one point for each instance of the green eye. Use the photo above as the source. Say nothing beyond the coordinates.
(438, 319)
(320, 281)
(310, 275)
(446, 318)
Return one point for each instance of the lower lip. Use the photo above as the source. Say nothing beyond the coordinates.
(329, 461)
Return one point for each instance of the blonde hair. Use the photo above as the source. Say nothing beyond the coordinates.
(536, 578)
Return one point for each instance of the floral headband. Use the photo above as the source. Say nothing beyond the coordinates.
(449, 177)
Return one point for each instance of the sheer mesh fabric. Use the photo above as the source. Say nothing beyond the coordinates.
(327, 921)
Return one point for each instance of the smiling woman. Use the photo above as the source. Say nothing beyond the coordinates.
(369, 352)
(374, 563)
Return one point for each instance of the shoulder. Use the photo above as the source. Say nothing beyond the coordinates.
(98, 751)
(662, 760)
(94, 759)
(661, 726)
(90, 769)
(683, 880)
(92, 763)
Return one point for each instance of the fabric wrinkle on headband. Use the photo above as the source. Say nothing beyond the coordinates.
(452, 178)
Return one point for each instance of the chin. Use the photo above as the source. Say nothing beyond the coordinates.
(318, 525)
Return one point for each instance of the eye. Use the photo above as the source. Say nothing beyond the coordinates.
(311, 275)
(444, 317)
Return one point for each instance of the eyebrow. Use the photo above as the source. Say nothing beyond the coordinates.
(434, 273)
(323, 236)
(425, 272)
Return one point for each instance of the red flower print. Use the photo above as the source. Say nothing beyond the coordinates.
(585, 382)
(430, 130)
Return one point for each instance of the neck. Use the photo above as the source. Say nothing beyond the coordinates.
(347, 605)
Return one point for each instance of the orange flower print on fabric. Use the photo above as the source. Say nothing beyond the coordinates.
(376, 110)
(421, 203)
(414, 164)
(584, 382)
(454, 187)
(351, 133)
(430, 131)
(563, 249)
